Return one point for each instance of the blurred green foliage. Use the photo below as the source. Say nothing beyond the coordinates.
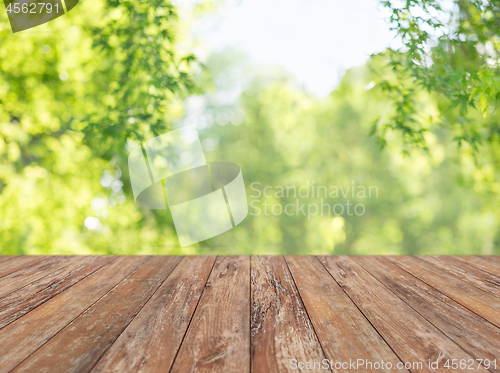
(451, 49)
(79, 93)
(74, 93)
(429, 202)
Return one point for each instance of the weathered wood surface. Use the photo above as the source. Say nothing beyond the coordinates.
(281, 329)
(409, 334)
(152, 340)
(474, 276)
(475, 335)
(249, 314)
(218, 337)
(22, 301)
(79, 345)
(27, 275)
(477, 300)
(5, 258)
(343, 330)
(486, 264)
(23, 337)
(18, 263)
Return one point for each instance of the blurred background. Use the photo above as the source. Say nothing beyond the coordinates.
(399, 97)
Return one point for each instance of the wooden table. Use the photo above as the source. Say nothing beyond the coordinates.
(249, 314)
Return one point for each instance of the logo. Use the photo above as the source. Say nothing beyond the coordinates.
(26, 14)
(205, 199)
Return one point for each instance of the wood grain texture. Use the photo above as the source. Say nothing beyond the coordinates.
(491, 258)
(27, 275)
(78, 347)
(22, 301)
(24, 336)
(410, 335)
(20, 262)
(280, 327)
(151, 341)
(475, 335)
(474, 276)
(343, 331)
(481, 262)
(247, 314)
(218, 338)
(5, 258)
(478, 301)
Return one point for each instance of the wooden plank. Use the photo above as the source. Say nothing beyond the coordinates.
(20, 262)
(474, 276)
(27, 275)
(22, 301)
(478, 301)
(411, 336)
(5, 258)
(280, 327)
(151, 341)
(218, 338)
(78, 347)
(491, 258)
(24, 336)
(481, 262)
(343, 331)
(474, 334)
